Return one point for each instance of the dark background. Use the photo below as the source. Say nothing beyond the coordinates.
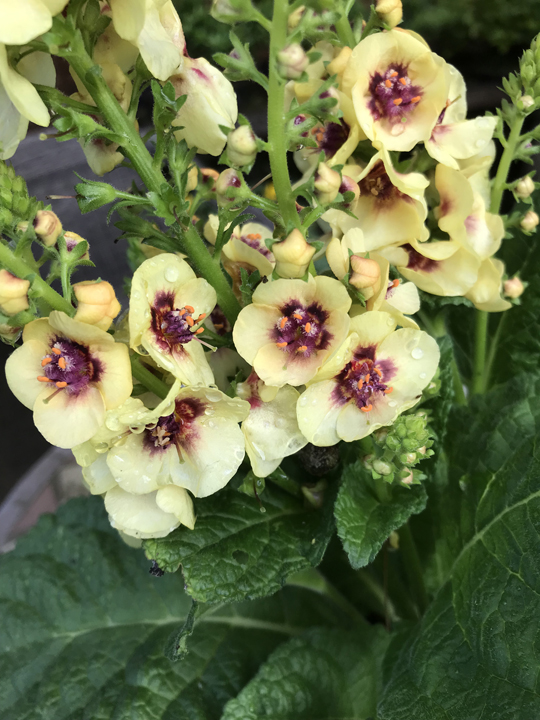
(483, 38)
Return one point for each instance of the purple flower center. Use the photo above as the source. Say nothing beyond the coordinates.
(301, 330)
(393, 95)
(419, 262)
(178, 429)
(70, 366)
(378, 185)
(255, 241)
(363, 379)
(330, 137)
(173, 327)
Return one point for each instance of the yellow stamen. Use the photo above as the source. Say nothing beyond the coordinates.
(56, 351)
(61, 384)
(367, 408)
(182, 312)
(368, 377)
(281, 344)
(42, 378)
(307, 327)
(254, 236)
(379, 373)
(46, 361)
(62, 363)
(397, 101)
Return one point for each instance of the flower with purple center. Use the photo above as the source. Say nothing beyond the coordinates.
(378, 373)
(398, 87)
(292, 327)
(69, 373)
(247, 249)
(167, 306)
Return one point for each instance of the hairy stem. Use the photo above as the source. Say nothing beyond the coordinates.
(344, 29)
(147, 378)
(413, 568)
(312, 579)
(276, 118)
(480, 345)
(499, 181)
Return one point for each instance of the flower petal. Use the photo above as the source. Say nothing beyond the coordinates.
(22, 93)
(98, 477)
(253, 328)
(68, 420)
(318, 412)
(139, 515)
(176, 501)
(22, 369)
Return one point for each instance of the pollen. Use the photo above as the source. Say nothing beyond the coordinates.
(388, 390)
(368, 378)
(62, 363)
(367, 408)
(395, 283)
(397, 101)
(190, 321)
(302, 348)
(61, 385)
(46, 361)
(201, 317)
(297, 316)
(403, 81)
(307, 327)
(388, 83)
(379, 373)
(190, 309)
(282, 322)
(416, 99)
(254, 236)
(199, 331)
(281, 344)
(56, 351)
(42, 378)
(394, 74)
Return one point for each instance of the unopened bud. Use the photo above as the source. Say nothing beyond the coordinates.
(365, 273)
(382, 468)
(230, 11)
(339, 63)
(409, 458)
(47, 226)
(228, 179)
(513, 288)
(210, 229)
(6, 217)
(530, 221)
(390, 11)
(349, 185)
(526, 101)
(293, 255)
(327, 184)
(97, 303)
(9, 334)
(408, 478)
(72, 239)
(13, 293)
(367, 461)
(209, 176)
(314, 494)
(192, 179)
(292, 61)
(295, 17)
(242, 146)
(525, 187)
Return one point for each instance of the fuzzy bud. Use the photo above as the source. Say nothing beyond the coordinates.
(295, 17)
(192, 179)
(408, 478)
(209, 176)
(525, 187)
(366, 273)
(339, 63)
(530, 221)
(230, 11)
(526, 102)
(292, 61)
(242, 146)
(349, 185)
(13, 293)
(228, 179)
(97, 303)
(47, 226)
(382, 467)
(72, 239)
(513, 288)
(327, 184)
(9, 334)
(390, 11)
(293, 255)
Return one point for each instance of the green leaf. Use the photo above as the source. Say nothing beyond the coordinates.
(237, 552)
(327, 674)
(475, 654)
(84, 626)
(363, 521)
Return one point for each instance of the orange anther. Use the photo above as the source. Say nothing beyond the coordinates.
(61, 385)
(307, 327)
(281, 344)
(379, 373)
(282, 322)
(302, 348)
(42, 378)
(56, 351)
(183, 311)
(368, 376)
(297, 316)
(360, 384)
(190, 309)
(219, 326)
(388, 83)
(393, 74)
(46, 361)
(395, 283)
(403, 81)
(254, 236)
(62, 363)
(388, 390)
(201, 317)
(190, 321)
(397, 101)
(199, 331)
(416, 99)
(367, 408)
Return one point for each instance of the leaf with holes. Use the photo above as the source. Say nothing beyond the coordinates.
(237, 552)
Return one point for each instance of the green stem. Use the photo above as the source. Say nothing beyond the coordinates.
(499, 182)
(413, 568)
(282, 480)
(148, 379)
(458, 384)
(64, 277)
(480, 345)
(372, 23)
(263, 21)
(344, 29)
(312, 579)
(21, 269)
(493, 349)
(277, 140)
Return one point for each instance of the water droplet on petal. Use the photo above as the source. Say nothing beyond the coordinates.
(417, 353)
(392, 404)
(239, 454)
(280, 422)
(479, 143)
(390, 321)
(303, 401)
(171, 274)
(423, 376)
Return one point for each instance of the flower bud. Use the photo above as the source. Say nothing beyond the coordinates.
(408, 479)
(192, 179)
(339, 63)
(228, 179)
(390, 11)
(13, 293)
(242, 146)
(526, 101)
(230, 11)
(6, 217)
(525, 187)
(72, 239)
(382, 467)
(530, 221)
(293, 255)
(366, 273)
(47, 226)
(327, 184)
(295, 17)
(349, 185)
(9, 334)
(513, 288)
(97, 303)
(292, 61)
(210, 177)
(210, 229)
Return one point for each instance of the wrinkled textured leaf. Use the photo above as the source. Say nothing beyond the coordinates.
(326, 674)
(476, 652)
(84, 626)
(237, 552)
(363, 521)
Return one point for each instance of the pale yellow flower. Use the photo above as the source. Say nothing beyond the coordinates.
(338, 251)
(487, 290)
(293, 255)
(97, 303)
(24, 20)
(13, 293)
(247, 249)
